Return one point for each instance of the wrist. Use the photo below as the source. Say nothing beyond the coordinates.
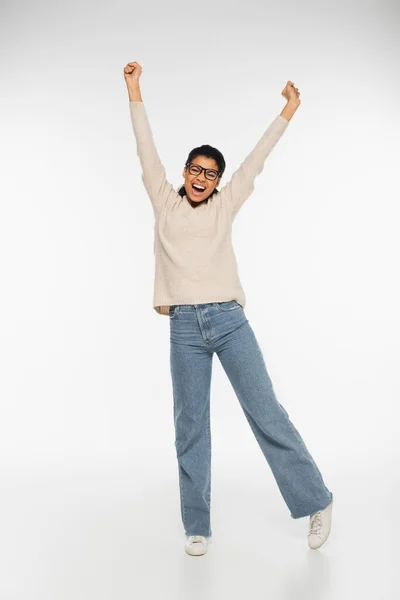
(290, 108)
(134, 92)
(293, 103)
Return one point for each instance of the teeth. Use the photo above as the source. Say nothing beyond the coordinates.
(196, 187)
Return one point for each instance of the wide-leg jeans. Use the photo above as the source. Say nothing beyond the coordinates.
(196, 332)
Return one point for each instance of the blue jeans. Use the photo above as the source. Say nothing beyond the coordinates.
(196, 332)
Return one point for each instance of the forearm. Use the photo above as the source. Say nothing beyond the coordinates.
(153, 171)
(134, 92)
(289, 110)
(241, 185)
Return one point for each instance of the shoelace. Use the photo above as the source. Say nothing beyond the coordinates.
(196, 538)
(316, 523)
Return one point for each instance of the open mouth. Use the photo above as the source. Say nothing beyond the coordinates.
(198, 190)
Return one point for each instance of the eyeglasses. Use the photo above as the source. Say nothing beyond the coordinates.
(194, 169)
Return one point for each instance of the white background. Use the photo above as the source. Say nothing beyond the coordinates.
(88, 473)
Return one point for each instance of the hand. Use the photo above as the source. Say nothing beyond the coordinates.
(291, 93)
(132, 73)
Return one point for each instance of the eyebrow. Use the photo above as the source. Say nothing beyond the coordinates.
(207, 168)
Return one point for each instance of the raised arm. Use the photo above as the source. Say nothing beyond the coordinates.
(241, 184)
(153, 172)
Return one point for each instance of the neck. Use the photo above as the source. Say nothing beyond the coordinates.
(195, 204)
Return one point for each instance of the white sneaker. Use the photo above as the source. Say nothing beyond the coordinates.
(196, 545)
(319, 527)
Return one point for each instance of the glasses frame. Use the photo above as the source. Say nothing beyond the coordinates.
(188, 165)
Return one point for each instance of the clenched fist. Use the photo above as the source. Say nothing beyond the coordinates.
(132, 73)
(291, 93)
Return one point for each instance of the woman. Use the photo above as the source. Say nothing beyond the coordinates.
(197, 285)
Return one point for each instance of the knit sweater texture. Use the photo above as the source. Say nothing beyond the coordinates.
(195, 261)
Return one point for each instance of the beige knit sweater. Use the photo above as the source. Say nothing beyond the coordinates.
(194, 259)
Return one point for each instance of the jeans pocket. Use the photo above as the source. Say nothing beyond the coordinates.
(173, 311)
(228, 305)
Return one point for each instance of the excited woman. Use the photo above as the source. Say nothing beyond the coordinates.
(197, 286)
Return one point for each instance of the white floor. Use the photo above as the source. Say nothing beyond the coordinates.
(112, 530)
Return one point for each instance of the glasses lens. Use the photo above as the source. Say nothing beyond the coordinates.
(211, 174)
(194, 170)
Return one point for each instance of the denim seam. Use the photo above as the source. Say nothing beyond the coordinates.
(181, 494)
(209, 449)
(227, 309)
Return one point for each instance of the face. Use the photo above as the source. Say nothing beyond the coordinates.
(200, 179)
